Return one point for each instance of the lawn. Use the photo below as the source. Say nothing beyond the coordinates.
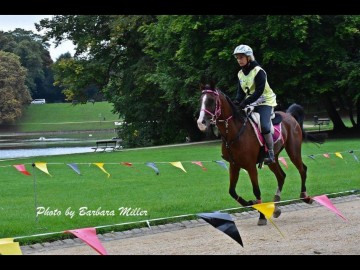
(171, 193)
(65, 116)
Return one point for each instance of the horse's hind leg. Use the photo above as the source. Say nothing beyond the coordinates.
(280, 177)
(303, 194)
(294, 152)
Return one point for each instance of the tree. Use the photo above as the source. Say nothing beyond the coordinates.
(35, 57)
(14, 95)
(150, 67)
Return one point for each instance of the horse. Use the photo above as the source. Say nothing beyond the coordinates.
(243, 148)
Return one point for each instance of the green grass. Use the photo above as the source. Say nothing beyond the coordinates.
(171, 193)
(65, 116)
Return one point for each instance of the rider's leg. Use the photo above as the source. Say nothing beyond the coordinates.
(270, 145)
(265, 114)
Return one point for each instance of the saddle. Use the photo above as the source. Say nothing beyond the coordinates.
(275, 130)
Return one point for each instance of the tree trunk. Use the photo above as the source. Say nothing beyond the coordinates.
(333, 114)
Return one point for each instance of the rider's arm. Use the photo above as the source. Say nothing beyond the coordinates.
(240, 94)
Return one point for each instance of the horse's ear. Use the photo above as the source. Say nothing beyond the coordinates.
(201, 86)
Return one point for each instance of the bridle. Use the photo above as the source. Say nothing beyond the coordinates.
(215, 119)
(217, 113)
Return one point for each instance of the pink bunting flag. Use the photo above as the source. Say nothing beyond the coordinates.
(21, 168)
(283, 161)
(199, 164)
(128, 164)
(324, 200)
(88, 235)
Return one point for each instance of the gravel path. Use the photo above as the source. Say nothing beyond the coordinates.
(307, 229)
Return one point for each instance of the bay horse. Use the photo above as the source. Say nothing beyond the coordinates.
(242, 147)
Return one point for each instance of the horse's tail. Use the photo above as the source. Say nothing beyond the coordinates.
(298, 113)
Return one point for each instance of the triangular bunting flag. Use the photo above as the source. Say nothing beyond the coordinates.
(224, 223)
(355, 157)
(283, 161)
(21, 168)
(178, 165)
(266, 208)
(199, 164)
(152, 165)
(88, 235)
(339, 155)
(221, 163)
(42, 167)
(128, 164)
(9, 247)
(101, 166)
(324, 200)
(74, 167)
(326, 155)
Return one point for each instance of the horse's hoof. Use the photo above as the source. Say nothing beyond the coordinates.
(307, 200)
(277, 212)
(262, 222)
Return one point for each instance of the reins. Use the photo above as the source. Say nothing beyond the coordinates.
(215, 120)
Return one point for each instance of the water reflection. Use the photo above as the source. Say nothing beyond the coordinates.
(48, 145)
(22, 153)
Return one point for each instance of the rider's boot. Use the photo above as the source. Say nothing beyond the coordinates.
(270, 145)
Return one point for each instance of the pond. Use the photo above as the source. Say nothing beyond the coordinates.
(22, 146)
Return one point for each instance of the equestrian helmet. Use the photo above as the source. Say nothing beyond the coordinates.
(244, 49)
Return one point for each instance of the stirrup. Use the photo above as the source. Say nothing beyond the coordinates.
(271, 159)
(268, 161)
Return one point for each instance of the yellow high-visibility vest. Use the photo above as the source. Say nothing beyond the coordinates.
(247, 83)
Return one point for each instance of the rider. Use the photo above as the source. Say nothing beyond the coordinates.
(253, 86)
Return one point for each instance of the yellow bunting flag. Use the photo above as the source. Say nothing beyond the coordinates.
(178, 165)
(42, 167)
(101, 166)
(338, 155)
(266, 208)
(9, 247)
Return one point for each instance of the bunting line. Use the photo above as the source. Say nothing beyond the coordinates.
(190, 161)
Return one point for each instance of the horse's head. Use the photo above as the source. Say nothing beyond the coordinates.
(210, 107)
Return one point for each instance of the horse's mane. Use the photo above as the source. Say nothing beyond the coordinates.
(235, 112)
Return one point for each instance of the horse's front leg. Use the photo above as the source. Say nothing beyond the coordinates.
(253, 173)
(234, 172)
(234, 176)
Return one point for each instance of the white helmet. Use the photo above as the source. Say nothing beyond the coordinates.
(245, 49)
